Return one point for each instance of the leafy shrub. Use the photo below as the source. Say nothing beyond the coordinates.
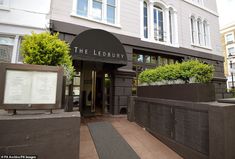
(185, 71)
(47, 49)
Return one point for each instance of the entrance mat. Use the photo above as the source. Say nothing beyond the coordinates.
(109, 143)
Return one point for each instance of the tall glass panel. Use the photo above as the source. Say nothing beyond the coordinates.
(193, 30)
(97, 9)
(170, 27)
(160, 25)
(111, 14)
(145, 20)
(6, 49)
(82, 7)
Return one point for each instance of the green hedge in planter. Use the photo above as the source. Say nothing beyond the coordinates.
(192, 70)
(47, 49)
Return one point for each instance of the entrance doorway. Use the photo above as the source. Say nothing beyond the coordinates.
(95, 89)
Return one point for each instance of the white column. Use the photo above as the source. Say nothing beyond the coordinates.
(175, 29)
(166, 26)
(15, 48)
(151, 23)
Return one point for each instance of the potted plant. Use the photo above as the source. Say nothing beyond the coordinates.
(189, 81)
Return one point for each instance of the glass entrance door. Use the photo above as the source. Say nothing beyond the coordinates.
(92, 89)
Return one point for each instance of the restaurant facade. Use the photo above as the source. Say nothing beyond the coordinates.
(112, 41)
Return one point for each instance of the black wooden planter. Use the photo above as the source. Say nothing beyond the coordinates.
(195, 92)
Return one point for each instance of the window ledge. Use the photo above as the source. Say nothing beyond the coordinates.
(159, 42)
(6, 8)
(97, 21)
(203, 47)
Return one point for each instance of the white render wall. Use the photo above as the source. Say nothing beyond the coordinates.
(130, 20)
(25, 16)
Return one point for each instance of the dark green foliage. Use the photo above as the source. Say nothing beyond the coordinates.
(194, 69)
(47, 49)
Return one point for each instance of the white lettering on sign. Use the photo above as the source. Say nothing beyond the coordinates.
(98, 53)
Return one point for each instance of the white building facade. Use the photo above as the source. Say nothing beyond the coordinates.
(17, 18)
(153, 33)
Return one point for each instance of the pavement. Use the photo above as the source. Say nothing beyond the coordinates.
(142, 142)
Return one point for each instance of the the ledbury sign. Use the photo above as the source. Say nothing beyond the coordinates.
(98, 45)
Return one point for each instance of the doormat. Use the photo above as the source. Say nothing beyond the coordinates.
(109, 143)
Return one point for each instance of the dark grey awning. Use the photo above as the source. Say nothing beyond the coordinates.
(99, 46)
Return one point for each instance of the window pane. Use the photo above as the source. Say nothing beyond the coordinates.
(231, 51)
(229, 37)
(76, 81)
(145, 20)
(5, 53)
(140, 58)
(111, 14)
(111, 2)
(76, 90)
(82, 7)
(160, 25)
(135, 57)
(6, 41)
(153, 60)
(147, 59)
(171, 61)
(97, 10)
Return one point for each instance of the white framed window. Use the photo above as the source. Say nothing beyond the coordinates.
(82, 7)
(229, 38)
(231, 51)
(158, 23)
(193, 29)
(199, 32)
(6, 48)
(171, 22)
(104, 11)
(97, 9)
(145, 19)
(111, 11)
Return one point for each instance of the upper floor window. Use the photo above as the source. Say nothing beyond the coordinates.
(145, 20)
(97, 9)
(199, 32)
(158, 23)
(229, 38)
(193, 29)
(206, 33)
(6, 48)
(231, 51)
(101, 10)
(111, 9)
(82, 7)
